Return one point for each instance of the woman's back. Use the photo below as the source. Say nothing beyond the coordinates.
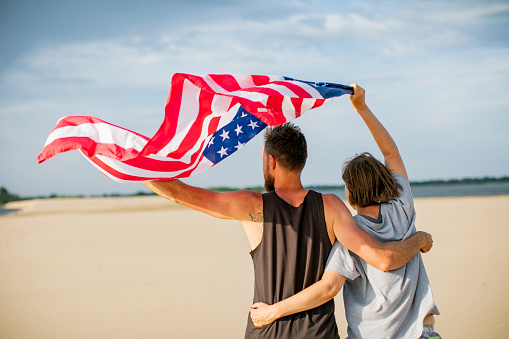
(393, 303)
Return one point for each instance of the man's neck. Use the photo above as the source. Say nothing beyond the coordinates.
(289, 188)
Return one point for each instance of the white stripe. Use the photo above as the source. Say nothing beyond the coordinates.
(219, 105)
(276, 78)
(111, 176)
(204, 164)
(139, 172)
(308, 88)
(214, 85)
(253, 96)
(228, 117)
(152, 175)
(100, 133)
(281, 89)
(288, 108)
(189, 109)
(219, 108)
(306, 105)
(244, 81)
(225, 119)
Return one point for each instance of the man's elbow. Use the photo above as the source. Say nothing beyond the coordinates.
(385, 267)
(386, 263)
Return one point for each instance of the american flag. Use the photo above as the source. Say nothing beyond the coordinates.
(207, 118)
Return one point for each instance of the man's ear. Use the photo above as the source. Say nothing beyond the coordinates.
(272, 161)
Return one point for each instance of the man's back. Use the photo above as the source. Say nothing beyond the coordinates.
(291, 256)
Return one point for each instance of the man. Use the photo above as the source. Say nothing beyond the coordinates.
(396, 304)
(291, 231)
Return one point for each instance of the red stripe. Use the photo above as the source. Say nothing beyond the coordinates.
(232, 103)
(80, 120)
(189, 172)
(214, 122)
(318, 103)
(169, 125)
(253, 107)
(115, 173)
(260, 80)
(125, 176)
(193, 135)
(264, 90)
(275, 103)
(199, 82)
(297, 104)
(150, 164)
(299, 91)
(226, 81)
(273, 117)
(88, 146)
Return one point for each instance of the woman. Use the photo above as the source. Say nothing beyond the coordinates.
(395, 304)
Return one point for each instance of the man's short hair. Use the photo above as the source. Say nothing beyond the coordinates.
(368, 181)
(287, 145)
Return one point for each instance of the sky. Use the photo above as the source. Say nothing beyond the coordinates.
(436, 74)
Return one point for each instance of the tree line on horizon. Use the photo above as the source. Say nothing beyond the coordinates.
(6, 196)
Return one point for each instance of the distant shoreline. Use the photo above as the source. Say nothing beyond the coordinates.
(464, 181)
(321, 188)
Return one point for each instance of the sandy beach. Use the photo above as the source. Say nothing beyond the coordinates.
(143, 267)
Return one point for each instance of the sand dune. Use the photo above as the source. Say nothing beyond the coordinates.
(146, 268)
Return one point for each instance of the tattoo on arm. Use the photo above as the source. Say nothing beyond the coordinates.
(256, 213)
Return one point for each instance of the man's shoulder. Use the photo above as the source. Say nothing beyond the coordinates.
(250, 198)
(332, 200)
(334, 207)
(246, 194)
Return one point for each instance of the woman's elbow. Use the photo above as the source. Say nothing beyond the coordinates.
(332, 289)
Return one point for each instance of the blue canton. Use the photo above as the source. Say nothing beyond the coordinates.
(327, 89)
(233, 136)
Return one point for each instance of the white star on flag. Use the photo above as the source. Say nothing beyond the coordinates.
(253, 124)
(222, 151)
(225, 135)
(239, 145)
(238, 129)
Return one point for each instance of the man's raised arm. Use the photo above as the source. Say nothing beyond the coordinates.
(238, 205)
(385, 257)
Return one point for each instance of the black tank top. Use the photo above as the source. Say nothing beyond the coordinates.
(290, 257)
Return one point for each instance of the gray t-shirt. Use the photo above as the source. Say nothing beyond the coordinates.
(385, 304)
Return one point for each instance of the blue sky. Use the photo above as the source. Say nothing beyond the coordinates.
(436, 74)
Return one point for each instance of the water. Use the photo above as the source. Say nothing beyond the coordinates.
(5, 211)
(418, 191)
(465, 190)
(446, 190)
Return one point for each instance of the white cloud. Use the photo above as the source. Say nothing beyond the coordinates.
(457, 13)
(359, 25)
